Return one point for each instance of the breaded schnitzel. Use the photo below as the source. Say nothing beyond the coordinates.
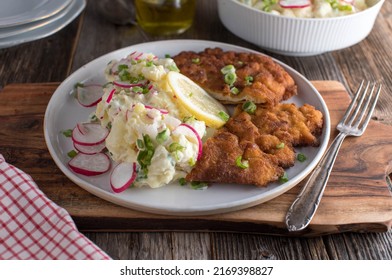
(218, 163)
(256, 77)
(297, 126)
(264, 138)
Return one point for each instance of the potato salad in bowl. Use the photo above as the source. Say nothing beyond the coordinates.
(308, 8)
(140, 124)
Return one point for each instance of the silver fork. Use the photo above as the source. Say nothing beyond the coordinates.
(353, 123)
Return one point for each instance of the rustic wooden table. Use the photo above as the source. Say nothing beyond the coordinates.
(54, 58)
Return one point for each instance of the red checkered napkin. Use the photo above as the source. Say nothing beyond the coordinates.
(34, 227)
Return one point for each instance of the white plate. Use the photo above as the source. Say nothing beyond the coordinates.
(17, 12)
(28, 27)
(46, 29)
(63, 112)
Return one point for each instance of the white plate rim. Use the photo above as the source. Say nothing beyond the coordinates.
(190, 210)
(47, 9)
(45, 30)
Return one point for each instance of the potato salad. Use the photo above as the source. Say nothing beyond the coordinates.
(308, 8)
(146, 126)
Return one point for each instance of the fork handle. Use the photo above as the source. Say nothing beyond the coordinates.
(305, 205)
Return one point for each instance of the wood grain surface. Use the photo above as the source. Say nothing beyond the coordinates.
(91, 35)
(357, 197)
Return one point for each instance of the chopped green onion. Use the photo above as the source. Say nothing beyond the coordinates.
(191, 94)
(198, 185)
(140, 144)
(284, 178)
(234, 90)
(122, 67)
(167, 56)
(241, 163)
(280, 145)
(301, 157)
(162, 136)
(149, 63)
(192, 162)
(124, 75)
(148, 142)
(182, 181)
(175, 147)
(187, 119)
(72, 153)
(249, 107)
(67, 133)
(196, 60)
(224, 116)
(137, 89)
(228, 69)
(230, 78)
(78, 85)
(248, 80)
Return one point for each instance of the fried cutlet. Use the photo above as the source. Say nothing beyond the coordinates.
(258, 78)
(218, 163)
(299, 126)
(265, 139)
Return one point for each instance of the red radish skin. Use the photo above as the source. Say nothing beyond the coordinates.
(82, 128)
(110, 96)
(122, 176)
(89, 95)
(96, 134)
(90, 165)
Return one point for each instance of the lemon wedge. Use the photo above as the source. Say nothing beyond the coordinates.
(195, 100)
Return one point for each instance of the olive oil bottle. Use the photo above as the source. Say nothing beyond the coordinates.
(165, 17)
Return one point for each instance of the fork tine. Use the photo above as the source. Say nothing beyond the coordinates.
(370, 111)
(361, 95)
(364, 108)
(353, 101)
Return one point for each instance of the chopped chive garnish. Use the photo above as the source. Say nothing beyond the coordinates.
(192, 162)
(249, 107)
(280, 145)
(162, 136)
(78, 85)
(230, 78)
(173, 68)
(72, 153)
(241, 163)
(149, 63)
(140, 144)
(224, 116)
(198, 185)
(175, 147)
(228, 69)
(182, 181)
(301, 157)
(284, 178)
(137, 89)
(122, 67)
(248, 80)
(234, 90)
(196, 60)
(167, 56)
(67, 133)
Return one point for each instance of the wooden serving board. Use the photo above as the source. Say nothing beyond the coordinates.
(357, 197)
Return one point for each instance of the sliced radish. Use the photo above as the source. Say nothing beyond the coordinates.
(122, 176)
(82, 128)
(90, 165)
(89, 95)
(294, 4)
(95, 134)
(90, 150)
(163, 111)
(110, 96)
(189, 132)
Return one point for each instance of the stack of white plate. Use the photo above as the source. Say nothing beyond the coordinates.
(23, 21)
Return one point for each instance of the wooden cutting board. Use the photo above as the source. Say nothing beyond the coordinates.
(357, 197)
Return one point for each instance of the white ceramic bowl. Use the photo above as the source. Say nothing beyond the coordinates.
(297, 36)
